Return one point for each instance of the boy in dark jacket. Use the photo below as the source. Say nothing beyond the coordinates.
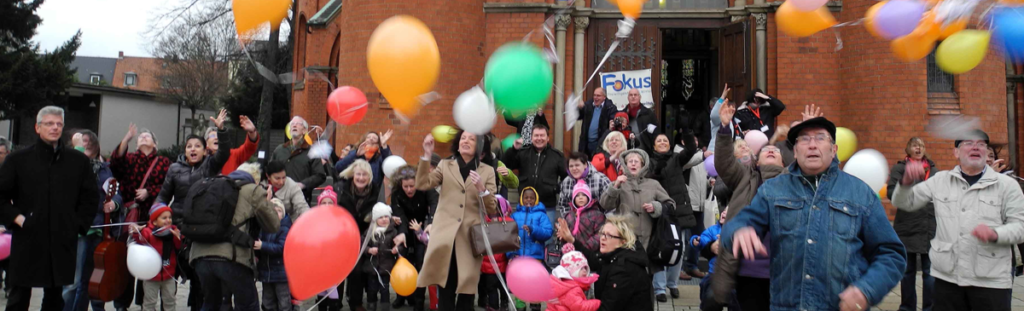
(276, 295)
(166, 239)
(382, 255)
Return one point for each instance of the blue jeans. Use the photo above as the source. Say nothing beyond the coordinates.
(908, 290)
(669, 276)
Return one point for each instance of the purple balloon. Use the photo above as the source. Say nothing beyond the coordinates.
(898, 18)
(709, 165)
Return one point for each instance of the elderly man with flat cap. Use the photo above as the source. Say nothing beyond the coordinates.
(832, 245)
(979, 217)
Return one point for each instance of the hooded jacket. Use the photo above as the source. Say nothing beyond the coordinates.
(182, 175)
(628, 199)
(569, 293)
(585, 222)
(597, 183)
(532, 243)
(624, 283)
(271, 263)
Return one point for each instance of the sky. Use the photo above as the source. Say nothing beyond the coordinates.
(108, 26)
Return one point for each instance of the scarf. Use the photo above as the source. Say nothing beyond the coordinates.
(528, 129)
(165, 236)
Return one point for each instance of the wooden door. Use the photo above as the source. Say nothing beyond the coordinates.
(735, 62)
(641, 50)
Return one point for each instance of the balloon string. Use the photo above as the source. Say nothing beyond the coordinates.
(362, 249)
(146, 243)
(117, 224)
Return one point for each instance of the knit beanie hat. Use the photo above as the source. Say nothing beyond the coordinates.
(576, 263)
(328, 193)
(381, 210)
(582, 187)
(156, 210)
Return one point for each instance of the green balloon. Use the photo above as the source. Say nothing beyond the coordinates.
(509, 141)
(519, 78)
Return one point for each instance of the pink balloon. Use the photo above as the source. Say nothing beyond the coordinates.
(529, 280)
(756, 140)
(5, 246)
(808, 5)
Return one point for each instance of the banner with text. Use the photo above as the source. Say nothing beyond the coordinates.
(617, 85)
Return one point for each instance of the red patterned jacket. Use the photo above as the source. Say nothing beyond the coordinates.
(130, 168)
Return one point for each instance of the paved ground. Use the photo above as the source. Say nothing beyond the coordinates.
(688, 300)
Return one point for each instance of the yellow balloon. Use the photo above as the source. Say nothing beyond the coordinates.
(403, 277)
(288, 133)
(631, 8)
(962, 51)
(444, 133)
(796, 23)
(869, 19)
(847, 142)
(250, 14)
(404, 62)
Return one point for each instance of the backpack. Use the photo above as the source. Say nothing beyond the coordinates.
(666, 245)
(209, 209)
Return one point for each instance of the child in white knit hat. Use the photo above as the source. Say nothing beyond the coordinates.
(381, 255)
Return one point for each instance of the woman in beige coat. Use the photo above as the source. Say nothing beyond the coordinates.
(467, 184)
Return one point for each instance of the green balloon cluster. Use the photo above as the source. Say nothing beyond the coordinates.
(519, 78)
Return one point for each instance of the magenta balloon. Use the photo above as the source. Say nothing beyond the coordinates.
(529, 280)
(898, 18)
(5, 246)
(709, 165)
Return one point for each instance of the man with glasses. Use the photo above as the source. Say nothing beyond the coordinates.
(979, 216)
(48, 197)
(832, 245)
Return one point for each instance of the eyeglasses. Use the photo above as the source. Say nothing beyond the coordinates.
(806, 139)
(51, 124)
(972, 144)
(609, 236)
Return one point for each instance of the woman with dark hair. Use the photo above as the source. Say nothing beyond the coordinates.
(285, 189)
(193, 165)
(467, 185)
(412, 206)
(669, 169)
(374, 149)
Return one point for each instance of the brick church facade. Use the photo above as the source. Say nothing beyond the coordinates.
(707, 43)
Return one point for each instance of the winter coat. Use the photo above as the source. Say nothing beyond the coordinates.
(55, 190)
(375, 163)
(240, 155)
(182, 175)
(625, 283)
(499, 258)
(458, 210)
(608, 109)
(168, 267)
(382, 263)
(570, 296)
(706, 238)
(299, 167)
(420, 206)
(294, 202)
(252, 203)
(603, 163)
(585, 222)
(742, 179)
(767, 112)
(541, 170)
(628, 199)
(360, 206)
(532, 243)
(271, 263)
(130, 169)
(956, 255)
(916, 229)
(102, 171)
(597, 183)
(697, 186)
(640, 126)
(668, 171)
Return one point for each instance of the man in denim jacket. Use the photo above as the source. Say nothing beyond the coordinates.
(979, 217)
(833, 247)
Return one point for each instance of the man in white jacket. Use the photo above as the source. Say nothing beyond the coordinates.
(979, 218)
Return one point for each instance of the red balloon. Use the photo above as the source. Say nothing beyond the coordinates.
(321, 250)
(347, 105)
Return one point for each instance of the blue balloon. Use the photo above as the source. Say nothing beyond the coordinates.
(1008, 31)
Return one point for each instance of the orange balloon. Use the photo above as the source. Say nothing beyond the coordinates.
(1012, 2)
(796, 23)
(869, 19)
(882, 194)
(404, 62)
(630, 8)
(403, 277)
(929, 24)
(952, 28)
(916, 45)
(250, 14)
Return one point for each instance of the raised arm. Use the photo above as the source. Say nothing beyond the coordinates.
(427, 178)
(913, 197)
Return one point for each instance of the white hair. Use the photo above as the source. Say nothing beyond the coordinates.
(299, 119)
(50, 110)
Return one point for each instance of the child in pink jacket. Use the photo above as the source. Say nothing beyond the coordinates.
(570, 280)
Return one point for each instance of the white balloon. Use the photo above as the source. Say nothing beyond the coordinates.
(870, 166)
(143, 261)
(474, 111)
(391, 164)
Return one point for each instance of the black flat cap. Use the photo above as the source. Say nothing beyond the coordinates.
(819, 122)
(972, 135)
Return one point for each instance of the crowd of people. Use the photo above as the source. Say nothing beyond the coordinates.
(783, 227)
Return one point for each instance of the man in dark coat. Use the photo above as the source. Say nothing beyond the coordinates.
(48, 197)
(642, 122)
(595, 113)
(540, 166)
(310, 173)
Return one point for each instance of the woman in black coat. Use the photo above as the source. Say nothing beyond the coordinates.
(915, 229)
(358, 194)
(622, 264)
(668, 170)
